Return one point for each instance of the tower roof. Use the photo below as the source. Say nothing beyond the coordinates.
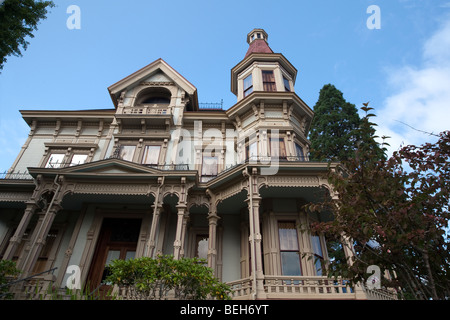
(257, 40)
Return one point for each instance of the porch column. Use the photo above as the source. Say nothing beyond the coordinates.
(16, 239)
(155, 223)
(213, 218)
(39, 238)
(177, 245)
(157, 206)
(255, 238)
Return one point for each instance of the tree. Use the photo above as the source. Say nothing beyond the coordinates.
(334, 126)
(18, 19)
(396, 213)
(153, 278)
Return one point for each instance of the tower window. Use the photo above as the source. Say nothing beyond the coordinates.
(287, 87)
(248, 85)
(268, 80)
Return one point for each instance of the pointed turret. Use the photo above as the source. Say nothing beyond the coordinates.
(261, 69)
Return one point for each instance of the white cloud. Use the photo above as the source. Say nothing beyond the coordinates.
(421, 95)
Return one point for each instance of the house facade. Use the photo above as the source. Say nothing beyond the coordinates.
(161, 174)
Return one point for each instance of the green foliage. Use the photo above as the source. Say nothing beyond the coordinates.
(396, 216)
(8, 272)
(18, 20)
(334, 126)
(154, 278)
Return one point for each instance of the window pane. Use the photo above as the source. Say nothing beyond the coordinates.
(112, 255)
(151, 155)
(78, 159)
(287, 87)
(248, 82)
(277, 148)
(317, 248)
(209, 166)
(288, 236)
(248, 85)
(299, 151)
(55, 160)
(127, 152)
(290, 264)
(252, 152)
(130, 255)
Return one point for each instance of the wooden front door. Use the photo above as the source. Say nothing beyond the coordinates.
(117, 240)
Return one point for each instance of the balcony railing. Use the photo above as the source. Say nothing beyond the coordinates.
(164, 167)
(211, 105)
(307, 287)
(15, 176)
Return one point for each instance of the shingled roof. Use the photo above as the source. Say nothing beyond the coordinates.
(258, 46)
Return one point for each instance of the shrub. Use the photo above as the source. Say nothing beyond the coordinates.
(8, 271)
(154, 278)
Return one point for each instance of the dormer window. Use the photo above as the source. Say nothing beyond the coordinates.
(248, 85)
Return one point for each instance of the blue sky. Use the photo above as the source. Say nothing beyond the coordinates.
(403, 68)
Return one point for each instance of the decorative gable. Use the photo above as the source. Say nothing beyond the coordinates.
(157, 77)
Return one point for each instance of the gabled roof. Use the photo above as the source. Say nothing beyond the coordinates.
(158, 65)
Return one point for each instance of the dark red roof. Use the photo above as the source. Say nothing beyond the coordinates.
(258, 46)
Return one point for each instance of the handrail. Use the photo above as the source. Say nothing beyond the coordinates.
(24, 279)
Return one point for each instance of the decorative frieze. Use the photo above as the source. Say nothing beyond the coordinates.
(288, 181)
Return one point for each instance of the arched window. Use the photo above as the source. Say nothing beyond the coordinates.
(152, 96)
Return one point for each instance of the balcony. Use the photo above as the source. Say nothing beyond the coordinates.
(307, 287)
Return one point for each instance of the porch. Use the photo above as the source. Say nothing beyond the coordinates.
(307, 287)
